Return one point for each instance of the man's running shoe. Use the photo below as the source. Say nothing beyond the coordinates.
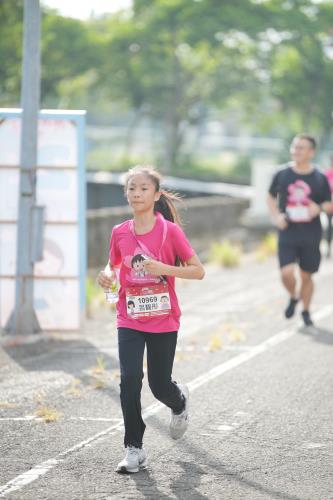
(290, 311)
(307, 318)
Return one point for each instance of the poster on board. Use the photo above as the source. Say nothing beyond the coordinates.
(59, 278)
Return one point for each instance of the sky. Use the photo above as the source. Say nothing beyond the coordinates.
(82, 9)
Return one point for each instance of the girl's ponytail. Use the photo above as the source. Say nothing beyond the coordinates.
(166, 206)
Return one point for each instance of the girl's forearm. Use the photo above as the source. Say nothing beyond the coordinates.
(190, 271)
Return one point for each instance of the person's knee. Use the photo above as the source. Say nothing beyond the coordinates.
(305, 277)
(160, 390)
(287, 272)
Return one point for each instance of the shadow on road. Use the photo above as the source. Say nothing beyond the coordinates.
(147, 485)
(79, 358)
(203, 464)
(318, 334)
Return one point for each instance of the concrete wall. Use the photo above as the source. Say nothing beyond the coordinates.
(106, 189)
(205, 219)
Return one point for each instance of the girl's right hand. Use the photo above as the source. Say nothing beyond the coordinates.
(106, 280)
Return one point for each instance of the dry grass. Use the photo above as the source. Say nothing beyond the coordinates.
(75, 388)
(237, 335)
(100, 365)
(6, 404)
(267, 247)
(215, 343)
(95, 297)
(225, 254)
(39, 398)
(48, 414)
(97, 384)
(181, 356)
(115, 374)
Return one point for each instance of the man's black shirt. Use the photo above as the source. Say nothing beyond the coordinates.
(295, 190)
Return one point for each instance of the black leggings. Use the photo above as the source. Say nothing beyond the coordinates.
(161, 349)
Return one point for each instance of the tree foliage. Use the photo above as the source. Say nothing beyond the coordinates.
(176, 60)
(11, 14)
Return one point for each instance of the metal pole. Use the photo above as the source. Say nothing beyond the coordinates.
(23, 320)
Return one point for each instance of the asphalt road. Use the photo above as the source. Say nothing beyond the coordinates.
(261, 402)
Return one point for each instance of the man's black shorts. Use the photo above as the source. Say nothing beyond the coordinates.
(307, 255)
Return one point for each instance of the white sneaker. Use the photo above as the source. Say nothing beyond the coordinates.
(135, 459)
(179, 423)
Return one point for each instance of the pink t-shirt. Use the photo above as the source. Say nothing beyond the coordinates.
(126, 252)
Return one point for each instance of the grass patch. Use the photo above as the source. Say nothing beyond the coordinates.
(236, 335)
(228, 168)
(215, 343)
(267, 247)
(97, 383)
(75, 388)
(100, 366)
(225, 254)
(104, 158)
(48, 414)
(95, 297)
(39, 398)
(98, 373)
(6, 404)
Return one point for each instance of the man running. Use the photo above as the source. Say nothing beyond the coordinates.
(297, 195)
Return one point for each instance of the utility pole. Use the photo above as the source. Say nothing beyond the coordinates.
(23, 320)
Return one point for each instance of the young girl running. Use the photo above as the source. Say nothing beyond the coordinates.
(149, 252)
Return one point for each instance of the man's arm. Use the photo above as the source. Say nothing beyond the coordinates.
(279, 218)
(327, 206)
(327, 203)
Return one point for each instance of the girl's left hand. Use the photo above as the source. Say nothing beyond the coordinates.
(154, 267)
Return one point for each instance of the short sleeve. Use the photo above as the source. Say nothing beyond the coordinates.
(326, 193)
(114, 255)
(274, 186)
(181, 244)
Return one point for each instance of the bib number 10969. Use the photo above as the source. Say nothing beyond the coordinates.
(147, 300)
(143, 302)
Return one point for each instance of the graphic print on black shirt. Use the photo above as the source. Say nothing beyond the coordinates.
(298, 201)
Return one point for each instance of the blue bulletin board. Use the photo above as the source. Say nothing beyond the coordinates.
(59, 279)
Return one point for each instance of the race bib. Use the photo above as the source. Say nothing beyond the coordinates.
(147, 301)
(298, 213)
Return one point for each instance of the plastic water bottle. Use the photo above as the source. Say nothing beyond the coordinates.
(111, 294)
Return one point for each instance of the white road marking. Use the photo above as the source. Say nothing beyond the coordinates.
(322, 313)
(97, 419)
(313, 446)
(29, 418)
(39, 470)
(225, 427)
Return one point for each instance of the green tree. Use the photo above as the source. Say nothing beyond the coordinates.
(168, 60)
(299, 74)
(11, 15)
(175, 61)
(70, 57)
(69, 50)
